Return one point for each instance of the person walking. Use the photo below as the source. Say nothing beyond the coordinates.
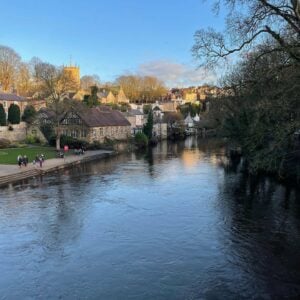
(41, 161)
(25, 160)
(19, 159)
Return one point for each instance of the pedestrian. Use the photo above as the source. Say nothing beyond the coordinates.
(19, 159)
(25, 160)
(41, 162)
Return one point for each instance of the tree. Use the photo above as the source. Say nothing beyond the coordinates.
(248, 24)
(87, 81)
(29, 114)
(262, 111)
(142, 88)
(148, 127)
(14, 114)
(9, 63)
(24, 82)
(92, 100)
(141, 140)
(2, 115)
(54, 83)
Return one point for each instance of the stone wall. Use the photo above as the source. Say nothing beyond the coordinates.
(20, 131)
(112, 132)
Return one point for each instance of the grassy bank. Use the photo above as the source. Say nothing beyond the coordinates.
(9, 155)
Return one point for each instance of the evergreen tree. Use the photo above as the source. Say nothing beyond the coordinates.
(29, 114)
(2, 116)
(92, 100)
(148, 127)
(14, 115)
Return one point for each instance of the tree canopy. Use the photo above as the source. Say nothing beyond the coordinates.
(2, 115)
(261, 109)
(142, 88)
(248, 23)
(14, 114)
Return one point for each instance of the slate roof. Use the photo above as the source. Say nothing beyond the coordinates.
(11, 97)
(95, 117)
(136, 112)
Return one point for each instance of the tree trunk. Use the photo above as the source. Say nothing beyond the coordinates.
(58, 142)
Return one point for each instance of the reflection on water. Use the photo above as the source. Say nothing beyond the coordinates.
(177, 222)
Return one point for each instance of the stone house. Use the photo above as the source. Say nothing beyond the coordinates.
(136, 119)
(7, 99)
(108, 97)
(95, 124)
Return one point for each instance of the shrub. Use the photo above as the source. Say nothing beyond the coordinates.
(14, 114)
(32, 139)
(141, 140)
(4, 143)
(29, 114)
(94, 146)
(71, 142)
(2, 116)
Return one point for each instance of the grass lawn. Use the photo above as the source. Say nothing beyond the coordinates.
(9, 155)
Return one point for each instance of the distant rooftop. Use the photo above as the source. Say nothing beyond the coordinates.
(11, 97)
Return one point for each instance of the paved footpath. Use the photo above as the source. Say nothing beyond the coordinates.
(14, 172)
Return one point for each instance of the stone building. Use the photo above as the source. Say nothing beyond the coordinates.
(73, 72)
(95, 124)
(136, 119)
(108, 97)
(7, 99)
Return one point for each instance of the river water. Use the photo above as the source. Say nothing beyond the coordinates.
(179, 222)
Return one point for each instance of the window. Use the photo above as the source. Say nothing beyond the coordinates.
(101, 131)
(84, 133)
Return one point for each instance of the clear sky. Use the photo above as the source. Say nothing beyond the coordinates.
(110, 37)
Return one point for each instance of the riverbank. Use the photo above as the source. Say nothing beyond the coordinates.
(12, 173)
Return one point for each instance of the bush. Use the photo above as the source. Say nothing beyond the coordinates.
(94, 146)
(141, 140)
(29, 114)
(2, 116)
(14, 114)
(31, 139)
(4, 143)
(71, 142)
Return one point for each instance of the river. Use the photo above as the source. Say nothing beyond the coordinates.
(179, 222)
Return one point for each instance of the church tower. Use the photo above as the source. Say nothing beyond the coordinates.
(73, 72)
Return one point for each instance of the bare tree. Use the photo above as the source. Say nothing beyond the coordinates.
(145, 88)
(248, 23)
(87, 81)
(54, 84)
(9, 63)
(24, 82)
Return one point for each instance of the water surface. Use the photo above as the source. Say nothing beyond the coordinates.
(179, 222)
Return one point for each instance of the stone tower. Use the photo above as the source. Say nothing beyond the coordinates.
(74, 73)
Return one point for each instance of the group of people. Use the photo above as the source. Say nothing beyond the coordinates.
(79, 151)
(23, 160)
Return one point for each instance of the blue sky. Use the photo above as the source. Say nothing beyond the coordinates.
(110, 38)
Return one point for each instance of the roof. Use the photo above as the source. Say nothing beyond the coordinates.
(136, 112)
(156, 108)
(11, 97)
(95, 117)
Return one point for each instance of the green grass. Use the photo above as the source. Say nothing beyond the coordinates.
(9, 155)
